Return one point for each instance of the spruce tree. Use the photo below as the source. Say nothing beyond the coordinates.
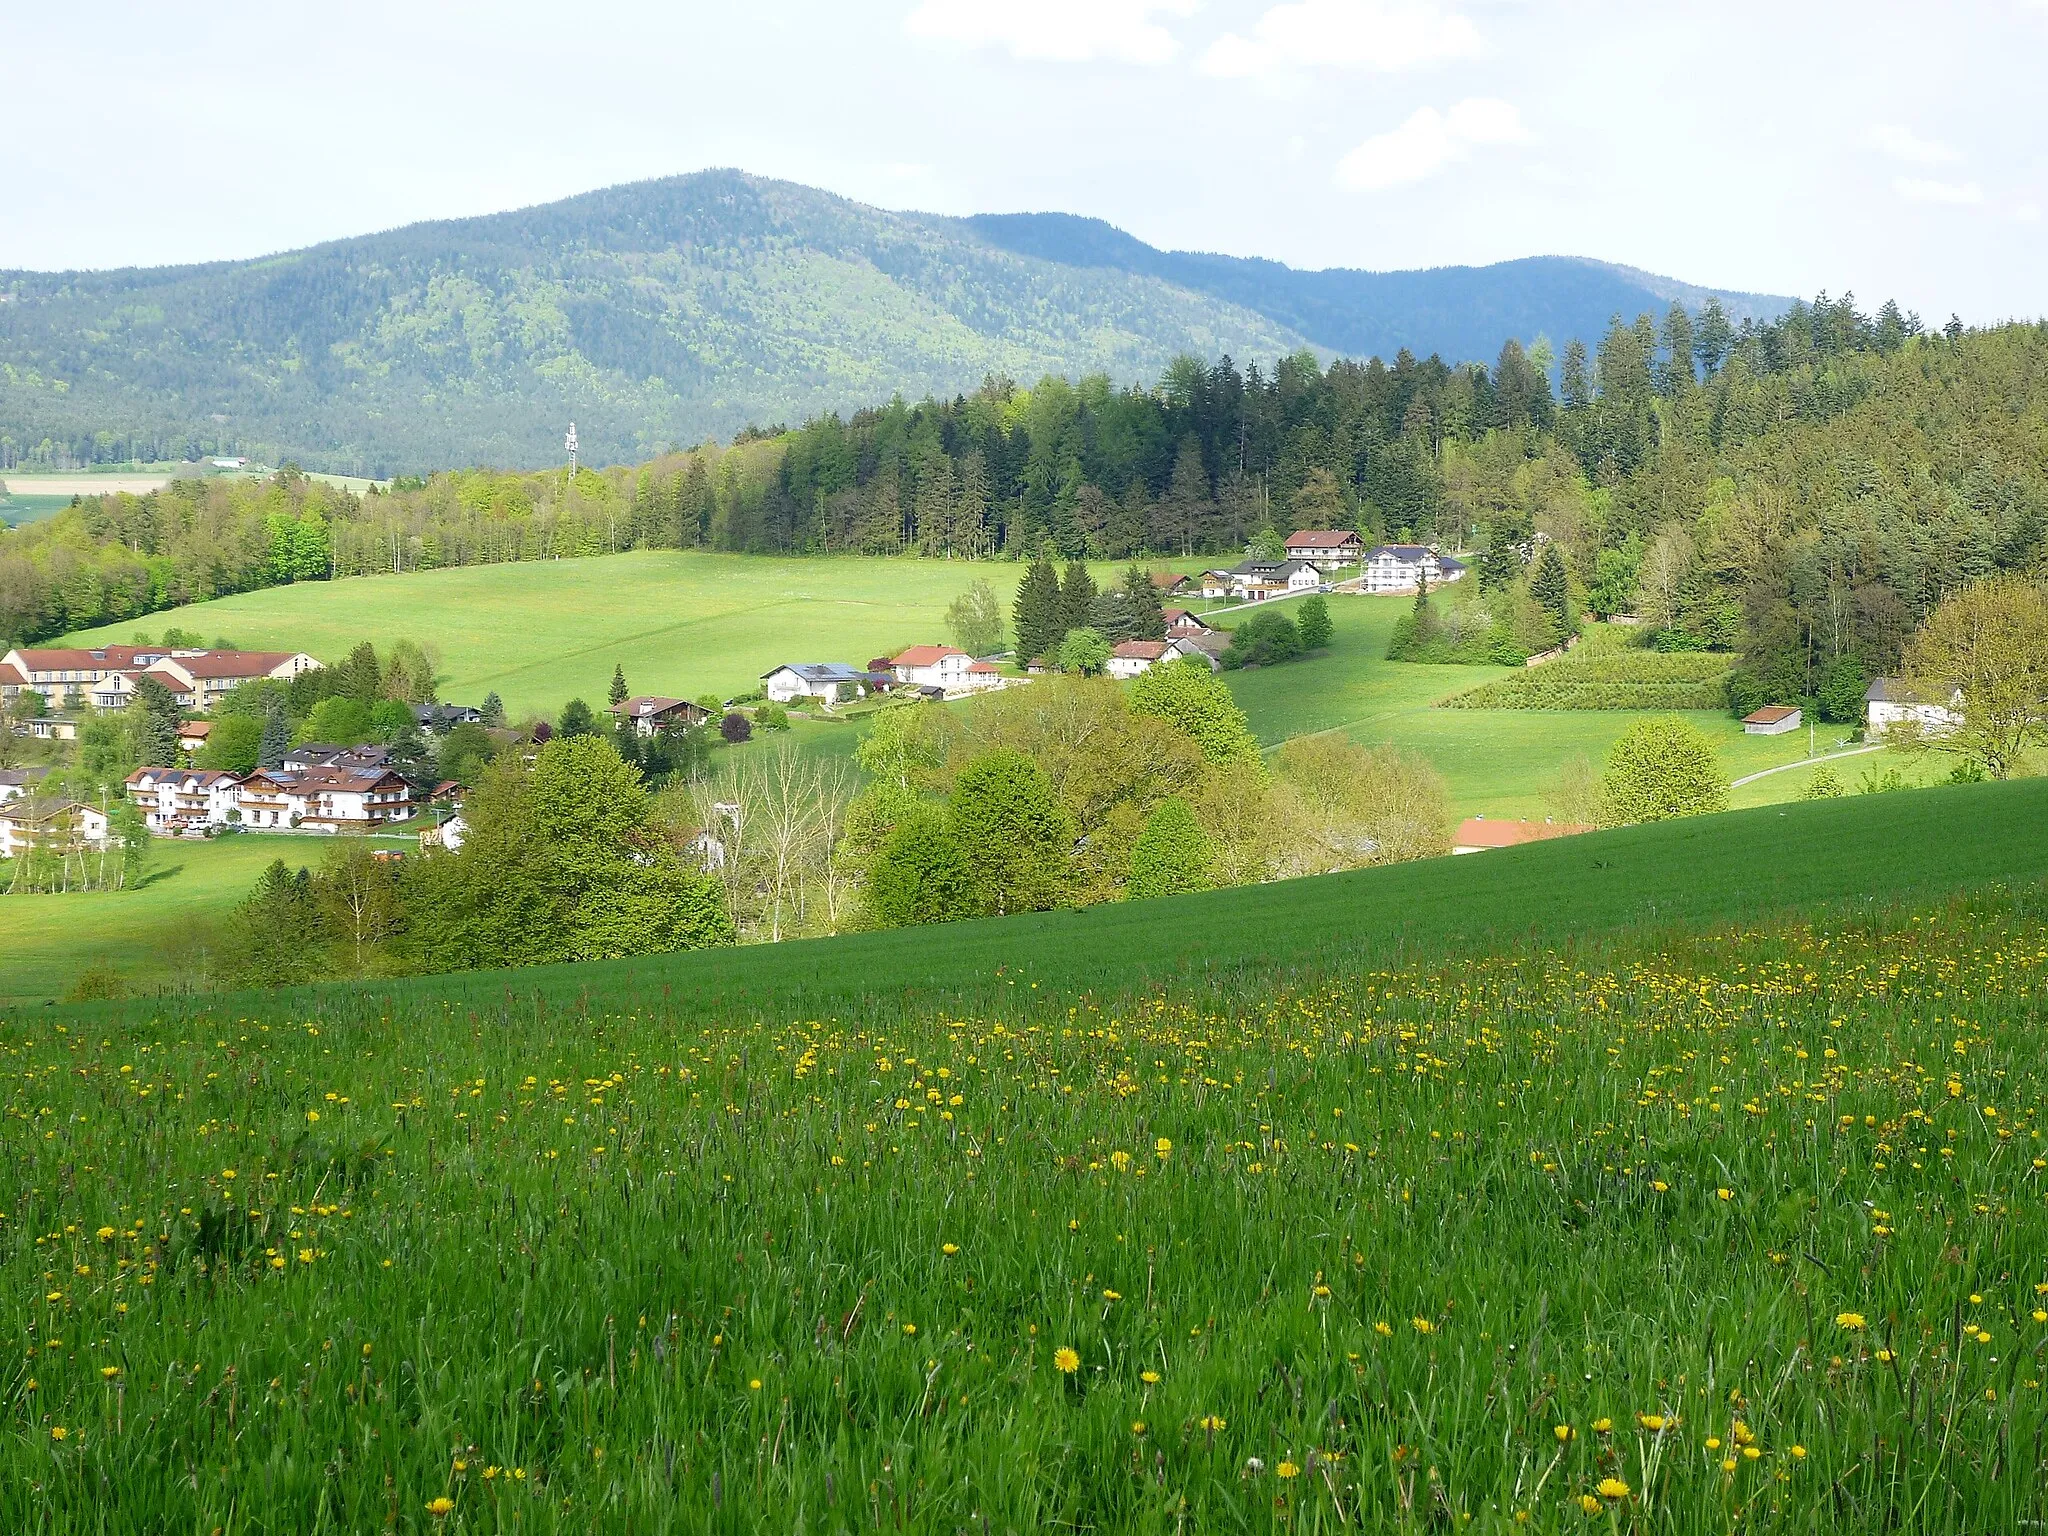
(1551, 588)
(493, 711)
(1148, 614)
(1036, 616)
(618, 688)
(276, 739)
(157, 722)
(1077, 597)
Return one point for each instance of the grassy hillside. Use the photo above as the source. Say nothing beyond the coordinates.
(1496, 762)
(1457, 1202)
(681, 622)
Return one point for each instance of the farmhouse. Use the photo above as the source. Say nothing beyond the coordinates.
(822, 680)
(1476, 834)
(1181, 623)
(1888, 705)
(1772, 720)
(651, 714)
(1207, 647)
(192, 735)
(1401, 568)
(1326, 548)
(1130, 657)
(1168, 583)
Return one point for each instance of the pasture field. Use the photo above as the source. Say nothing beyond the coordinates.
(157, 933)
(681, 622)
(1686, 1228)
(1496, 762)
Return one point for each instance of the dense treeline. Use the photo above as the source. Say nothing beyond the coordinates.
(1800, 491)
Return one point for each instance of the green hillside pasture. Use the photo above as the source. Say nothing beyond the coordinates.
(157, 934)
(1496, 762)
(682, 623)
(1664, 1232)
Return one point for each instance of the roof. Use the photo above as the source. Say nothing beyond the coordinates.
(347, 781)
(1478, 832)
(1139, 650)
(1167, 581)
(1888, 690)
(1400, 551)
(80, 659)
(1210, 642)
(218, 664)
(9, 676)
(819, 671)
(1322, 538)
(924, 655)
(988, 667)
(1770, 714)
(200, 728)
(650, 704)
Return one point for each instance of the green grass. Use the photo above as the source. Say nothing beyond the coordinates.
(646, 1248)
(682, 623)
(156, 934)
(1495, 762)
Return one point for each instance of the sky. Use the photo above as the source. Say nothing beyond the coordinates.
(1886, 149)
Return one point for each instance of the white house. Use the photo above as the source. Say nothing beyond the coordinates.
(322, 799)
(175, 801)
(1180, 623)
(1207, 647)
(65, 825)
(1888, 704)
(1401, 567)
(812, 680)
(1130, 657)
(449, 835)
(107, 675)
(1255, 580)
(1326, 548)
(932, 666)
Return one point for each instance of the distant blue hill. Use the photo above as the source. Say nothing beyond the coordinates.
(658, 313)
(1460, 313)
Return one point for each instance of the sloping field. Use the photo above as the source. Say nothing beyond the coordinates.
(1424, 1198)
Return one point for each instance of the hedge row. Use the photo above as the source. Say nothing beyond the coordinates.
(1536, 691)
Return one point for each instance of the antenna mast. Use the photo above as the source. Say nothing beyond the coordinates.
(570, 444)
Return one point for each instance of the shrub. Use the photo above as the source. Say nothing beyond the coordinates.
(736, 728)
(1660, 769)
(1171, 855)
(1263, 639)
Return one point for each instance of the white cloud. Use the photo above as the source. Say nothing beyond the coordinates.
(1904, 144)
(1915, 189)
(1429, 141)
(1384, 35)
(1060, 31)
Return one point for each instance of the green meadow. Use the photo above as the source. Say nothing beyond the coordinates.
(1636, 1182)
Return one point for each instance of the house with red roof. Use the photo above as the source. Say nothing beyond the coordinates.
(1326, 548)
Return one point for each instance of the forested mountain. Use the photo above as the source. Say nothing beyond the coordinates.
(1800, 492)
(662, 313)
(1457, 313)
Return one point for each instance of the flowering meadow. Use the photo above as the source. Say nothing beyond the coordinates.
(1729, 1230)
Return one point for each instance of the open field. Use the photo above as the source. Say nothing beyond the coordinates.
(682, 623)
(1496, 762)
(1440, 1226)
(156, 934)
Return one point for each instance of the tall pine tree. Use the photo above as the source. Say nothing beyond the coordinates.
(1077, 597)
(276, 738)
(1551, 588)
(617, 693)
(1036, 616)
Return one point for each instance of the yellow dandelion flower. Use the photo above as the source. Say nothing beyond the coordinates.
(1650, 1421)
(1850, 1320)
(1564, 1433)
(910, 1330)
(1589, 1504)
(109, 1372)
(1613, 1488)
(1287, 1469)
(1602, 1426)
(440, 1506)
(1422, 1325)
(1725, 1194)
(754, 1385)
(1150, 1378)
(1065, 1361)
(1137, 1426)
(1799, 1453)
(59, 1432)
(949, 1249)
(1383, 1330)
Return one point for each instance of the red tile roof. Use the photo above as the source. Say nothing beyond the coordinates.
(1770, 714)
(1478, 832)
(1140, 650)
(924, 655)
(233, 663)
(1322, 538)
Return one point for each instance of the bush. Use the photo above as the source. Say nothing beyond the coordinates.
(1313, 620)
(1263, 639)
(772, 717)
(1608, 673)
(1171, 855)
(1823, 786)
(1661, 769)
(736, 728)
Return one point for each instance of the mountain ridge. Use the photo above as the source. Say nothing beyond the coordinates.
(657, 313)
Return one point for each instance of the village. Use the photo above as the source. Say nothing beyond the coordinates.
(321, 787)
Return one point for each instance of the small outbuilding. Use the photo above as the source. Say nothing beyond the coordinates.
(1773, 720)
(1476, 834)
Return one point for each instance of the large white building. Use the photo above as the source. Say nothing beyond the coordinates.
(1889, 704)
(106, 676)
(1401, 567)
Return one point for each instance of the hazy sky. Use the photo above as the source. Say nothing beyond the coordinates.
(1886, 148)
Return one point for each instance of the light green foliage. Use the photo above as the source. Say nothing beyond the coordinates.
(1988, 645)
(903, 745)
(1661, 768)
(341, 722)
(975, 620)
(463, 753)
(1823, 786)
(1607, 670)
(1339, 805)
(1084, 652)
(232, 745)
(1172, 855)
(1012, 834)
(390, 719)
(1269, 544)
(1188, 695)
(918, 874)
